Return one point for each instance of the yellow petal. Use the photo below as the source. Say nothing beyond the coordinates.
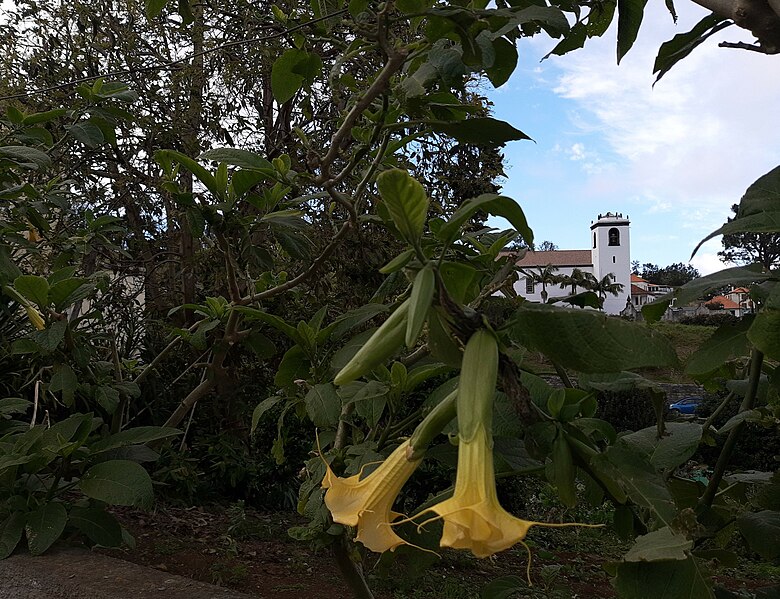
(473, 517)
(367, 503)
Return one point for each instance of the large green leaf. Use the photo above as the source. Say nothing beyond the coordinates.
(135, 436)
(765, 330)
(479, 131)
(98, 525)
(698, 288)
(491, 204)
(26, 156)
(118, 482)
(406, 201)
(276, 322)
(762, 531)
(291, 70)
(421, 298)
(196, 169)
(589, 341)
(682, 44)
(630, 13)
(65, 380)
(262, 408)
(44, 526)
(672, 579)
(727, 343)
(11, 530)
(294, 365)
(673, 449)
(659, 545)
(323, 405)
(241, 158)
(505, 62)
(639, 478)
(87, 133)
(759, 209)
(33, 288)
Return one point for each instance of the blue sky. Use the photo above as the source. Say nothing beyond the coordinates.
(674, 157)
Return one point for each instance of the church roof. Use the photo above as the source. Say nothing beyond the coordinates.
(557, 258)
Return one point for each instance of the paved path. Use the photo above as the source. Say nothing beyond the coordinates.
(80, 574)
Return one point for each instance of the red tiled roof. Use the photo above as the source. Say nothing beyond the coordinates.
(722, 299)
(740, 290)
(637, 279)
(639, 291)
(557, 258)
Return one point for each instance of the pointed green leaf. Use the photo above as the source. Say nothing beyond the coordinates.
(406, 201)
(33, 288)
(240, 158)
(26, 156)
(191, 165)
(44, 526)
(659, 545)
(504, 587)
(762, 531)
(480, 131)
(98, 525)
(87, 133)
(135, 436)
(589, 341)
(262, 408)
(11, 530)
(398, 262)
(491, 204)
(673, 449)
(323, 405)
(669, 579)
(682, 44)
(118, 482)
(727, 343)
(421, 298)
(639, 478)
(630, 13)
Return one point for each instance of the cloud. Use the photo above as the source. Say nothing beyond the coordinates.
(695, 141)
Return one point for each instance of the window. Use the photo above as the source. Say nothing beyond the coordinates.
(594, 240)
(614, 236)
(529, 285)
(613, 259)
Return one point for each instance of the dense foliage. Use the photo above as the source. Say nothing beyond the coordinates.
(204, 252)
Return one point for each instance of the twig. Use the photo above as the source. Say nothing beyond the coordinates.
(744, 46)
(295, 281)
(394, 64)
(35, 405)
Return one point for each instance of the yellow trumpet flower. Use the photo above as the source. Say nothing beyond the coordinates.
(367, 502)
(473, 517)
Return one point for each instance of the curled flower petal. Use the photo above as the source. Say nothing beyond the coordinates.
(473, 517)
(367, 503)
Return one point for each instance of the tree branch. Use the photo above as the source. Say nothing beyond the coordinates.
(757, 16)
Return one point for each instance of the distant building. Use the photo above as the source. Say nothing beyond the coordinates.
(643, 292)
(610, 253)
(736, 302)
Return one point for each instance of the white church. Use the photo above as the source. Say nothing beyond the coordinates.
(610, 254)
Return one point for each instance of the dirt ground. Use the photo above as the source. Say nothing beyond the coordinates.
(250, 551)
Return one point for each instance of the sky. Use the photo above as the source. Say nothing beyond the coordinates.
(673, 157)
